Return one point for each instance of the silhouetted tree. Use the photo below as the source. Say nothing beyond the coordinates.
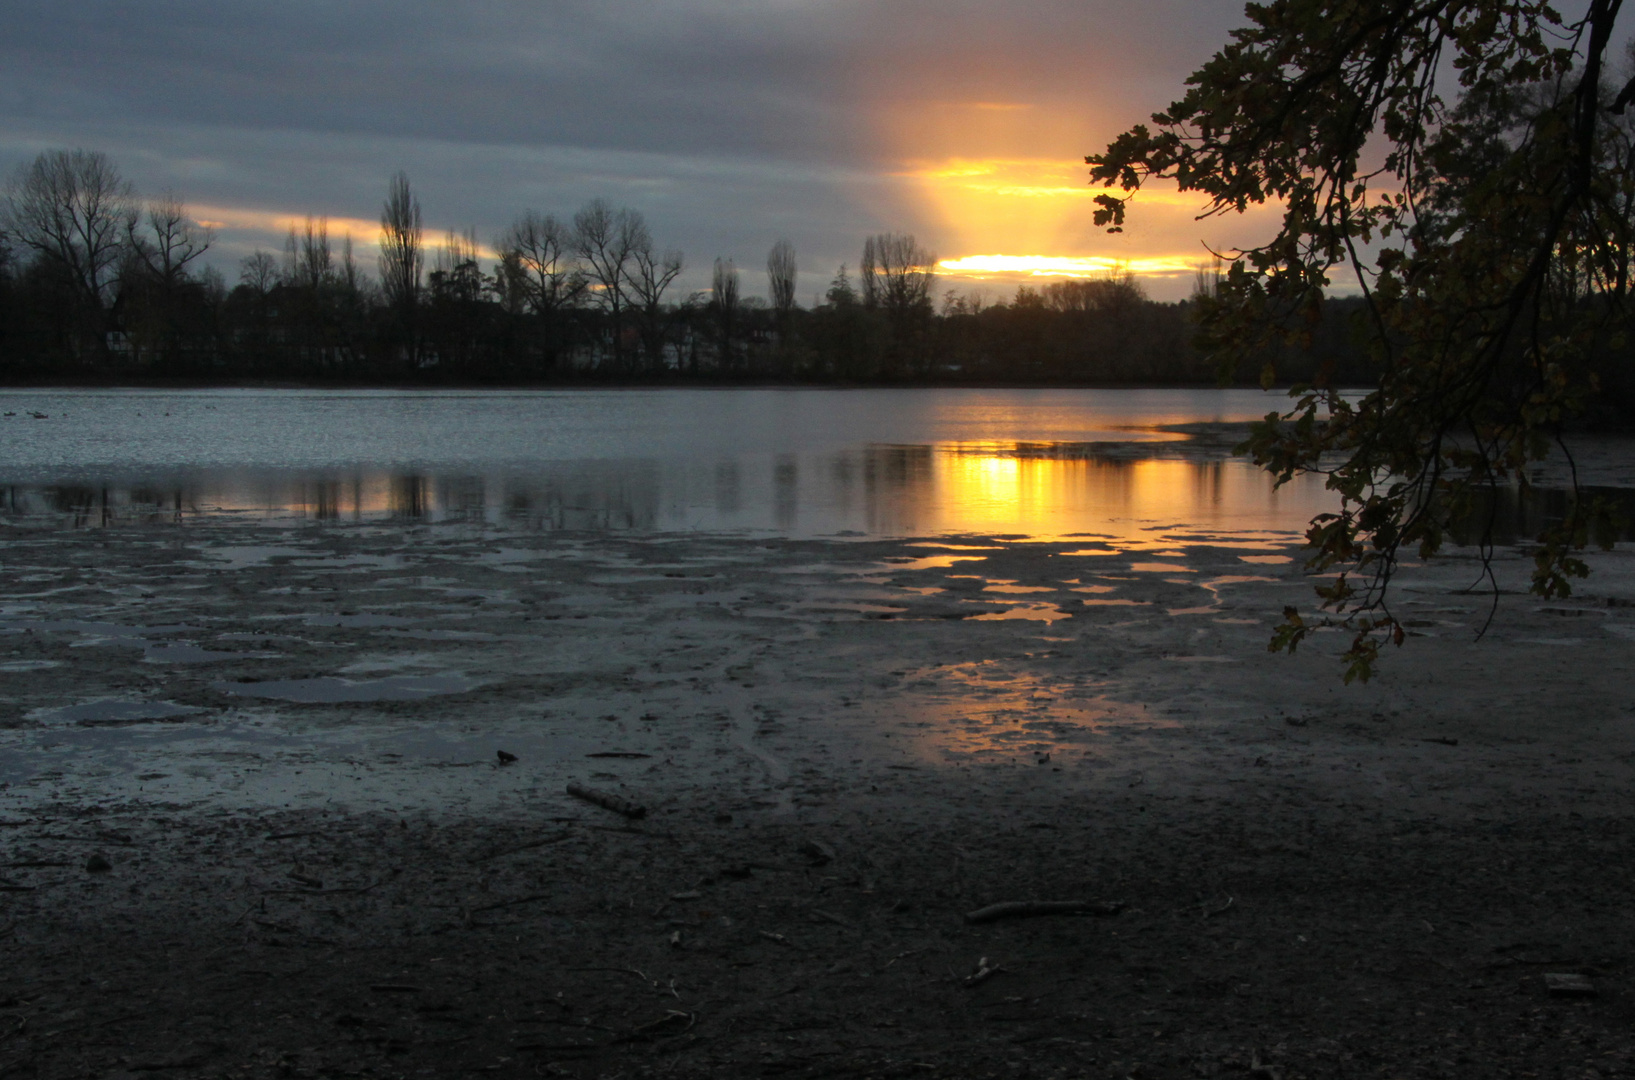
(538, 275)
(308, 258)
(607, 239)
(172, 240)
(402, 259)
(1488, 287)
(897, 278)
(648, 277)
(724, 288)
(780, 277)
(166, 312)
(73, 209)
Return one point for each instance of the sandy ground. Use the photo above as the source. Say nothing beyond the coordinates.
(284, 745)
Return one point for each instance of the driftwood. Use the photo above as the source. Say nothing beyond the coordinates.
(510, 903)
(607, 801)
(529, 846)
(1017, 909)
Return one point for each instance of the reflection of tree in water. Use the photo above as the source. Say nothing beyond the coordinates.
(82, 505)
(785, 491)
(897, 486)
(1209, 483)
(325, 499)
(882, 488)
(592, 496)
(728, 488)
(1518, 518)
(463, 498)
(408, 496)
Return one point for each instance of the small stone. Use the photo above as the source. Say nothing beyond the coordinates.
(98, 864)
(820, 853)
(505, 758)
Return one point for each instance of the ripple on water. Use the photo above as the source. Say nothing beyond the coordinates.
(359, 622)
(328, 690)
(108, 712)
(185, 653)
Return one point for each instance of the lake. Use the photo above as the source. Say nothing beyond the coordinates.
(788, 462)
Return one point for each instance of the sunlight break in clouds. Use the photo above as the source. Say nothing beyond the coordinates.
(1061, 266)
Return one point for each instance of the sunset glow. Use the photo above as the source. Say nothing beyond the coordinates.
(274, 223)
(1012, 219)
(1062, 266)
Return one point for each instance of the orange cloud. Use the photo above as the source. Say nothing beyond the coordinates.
(275, 224)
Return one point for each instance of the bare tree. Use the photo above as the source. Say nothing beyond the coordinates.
(401, 254)
(780, 276)
(724, 290)
(258, 272)
(349, 276)
(172, 240)
(897, 273)
(308, 259)
(455, 273)
(647, 278)
(73, 209)
(537, 263)
(607, 240)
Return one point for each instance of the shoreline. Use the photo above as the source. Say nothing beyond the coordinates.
(849, 744)
(120, 383)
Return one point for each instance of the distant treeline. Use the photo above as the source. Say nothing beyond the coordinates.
(96, 283)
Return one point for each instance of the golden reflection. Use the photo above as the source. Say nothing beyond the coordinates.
(985, 489)
(998, 709)
(1034, 491)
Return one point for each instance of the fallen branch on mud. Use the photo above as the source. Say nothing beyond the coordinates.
(529, 846)
(607, 801)
(1019, 909)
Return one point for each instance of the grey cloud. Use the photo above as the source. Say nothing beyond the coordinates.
(728, 122)
(686, 76)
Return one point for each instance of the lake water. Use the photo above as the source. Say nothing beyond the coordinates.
(794, 462)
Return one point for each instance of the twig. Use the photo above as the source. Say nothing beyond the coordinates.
(642, 975)
(1016, 909)
(670, 1017)
(982, 974)
(904, 956)
(324, 892)
(552, 839)
(509, 903)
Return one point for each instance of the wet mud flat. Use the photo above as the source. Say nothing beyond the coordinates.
(255, 822)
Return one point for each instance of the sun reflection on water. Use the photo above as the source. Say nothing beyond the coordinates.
(1110, 495)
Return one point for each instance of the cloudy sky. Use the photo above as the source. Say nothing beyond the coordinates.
(728, 123)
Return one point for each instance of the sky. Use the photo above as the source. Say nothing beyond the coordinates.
(728, 124)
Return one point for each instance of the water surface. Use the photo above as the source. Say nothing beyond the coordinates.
(799, 462)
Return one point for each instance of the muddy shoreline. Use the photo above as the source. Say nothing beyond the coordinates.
(284, 744)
